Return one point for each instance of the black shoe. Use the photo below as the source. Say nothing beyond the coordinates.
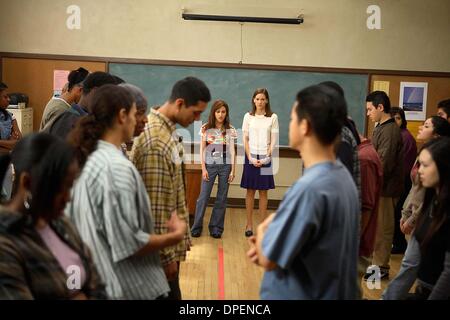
(248, 233)
(216, 235)
(196, 233)
(372, 275)
(398, 250)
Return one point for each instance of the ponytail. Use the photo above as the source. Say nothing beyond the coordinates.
(85, 136)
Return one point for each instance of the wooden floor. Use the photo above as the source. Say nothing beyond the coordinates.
(200, 274)
(375, 294)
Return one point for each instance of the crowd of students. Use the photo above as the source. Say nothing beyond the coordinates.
(88, 220)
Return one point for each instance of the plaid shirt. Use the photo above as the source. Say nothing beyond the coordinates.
(157, 154)
(28, 270)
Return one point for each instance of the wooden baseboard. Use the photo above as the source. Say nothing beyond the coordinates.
(240, 203)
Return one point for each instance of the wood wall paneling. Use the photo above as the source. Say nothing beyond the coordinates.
(438, 89)
(34, 77)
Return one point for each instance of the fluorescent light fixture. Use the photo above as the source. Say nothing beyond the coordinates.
(205, 17)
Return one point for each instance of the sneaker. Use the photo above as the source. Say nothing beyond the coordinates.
(371, 274)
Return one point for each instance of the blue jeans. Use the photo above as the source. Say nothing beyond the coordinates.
(218, 214)
(399, 287)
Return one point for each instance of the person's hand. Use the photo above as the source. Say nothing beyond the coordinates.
(176, 225)
(252, 253)
(171, 271)
(79, 296)
(14, 135)
(205, 175)
(255, 162)
(189, 244)
(407, 226)
(261, 229)
(266, 160)
(231, 177)
(253, 241)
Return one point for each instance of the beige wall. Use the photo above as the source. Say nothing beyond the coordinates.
(415, 33)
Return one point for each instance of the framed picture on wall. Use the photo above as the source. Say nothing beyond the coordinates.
(413, 99)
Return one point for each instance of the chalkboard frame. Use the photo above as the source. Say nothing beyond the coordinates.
(237, 86)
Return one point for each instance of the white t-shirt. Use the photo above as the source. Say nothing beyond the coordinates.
(260, 130)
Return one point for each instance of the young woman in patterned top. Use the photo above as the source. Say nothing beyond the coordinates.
(218, 159)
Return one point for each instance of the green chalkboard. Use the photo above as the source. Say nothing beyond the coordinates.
(236, 87)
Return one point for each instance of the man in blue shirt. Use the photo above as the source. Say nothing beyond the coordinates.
(66, 121)
(309, 247)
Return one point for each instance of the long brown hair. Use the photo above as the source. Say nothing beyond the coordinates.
(212, 115)
(105, 105)
(266, 93)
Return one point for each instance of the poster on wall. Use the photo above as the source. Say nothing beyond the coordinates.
(413, 99)
(59, 81)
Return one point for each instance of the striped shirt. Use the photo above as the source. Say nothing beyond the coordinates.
(158, 154)
(112, 212)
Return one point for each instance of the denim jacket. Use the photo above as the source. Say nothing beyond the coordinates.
(5, 125)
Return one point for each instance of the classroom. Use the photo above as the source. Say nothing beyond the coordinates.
(319, 120)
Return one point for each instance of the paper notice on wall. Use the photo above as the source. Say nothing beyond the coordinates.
(59, 81)
(381, 86)
(413, 99)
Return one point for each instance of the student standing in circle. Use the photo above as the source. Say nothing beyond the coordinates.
(218, 158)
(427, 258)
(260, 129)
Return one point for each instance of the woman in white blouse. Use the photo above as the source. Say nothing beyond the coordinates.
(260, 128)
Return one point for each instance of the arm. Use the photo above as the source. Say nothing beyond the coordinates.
(245, 131)
(8, 144)
(255, 252)
(369, 191)
(365, 218)
(345, 154)
(156, 242)
(282, 237)
(388, 147)
(13, 283)
(412, 208)
(246, 146)
(274, 132)
(233, 160)
(205, 175)
(181, 208)
(251, 160)
(95, 288)
(261, 231)
(441, 290)
(16, 134)
(156, 172)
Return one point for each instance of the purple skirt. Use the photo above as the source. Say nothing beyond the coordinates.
(257, 178)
